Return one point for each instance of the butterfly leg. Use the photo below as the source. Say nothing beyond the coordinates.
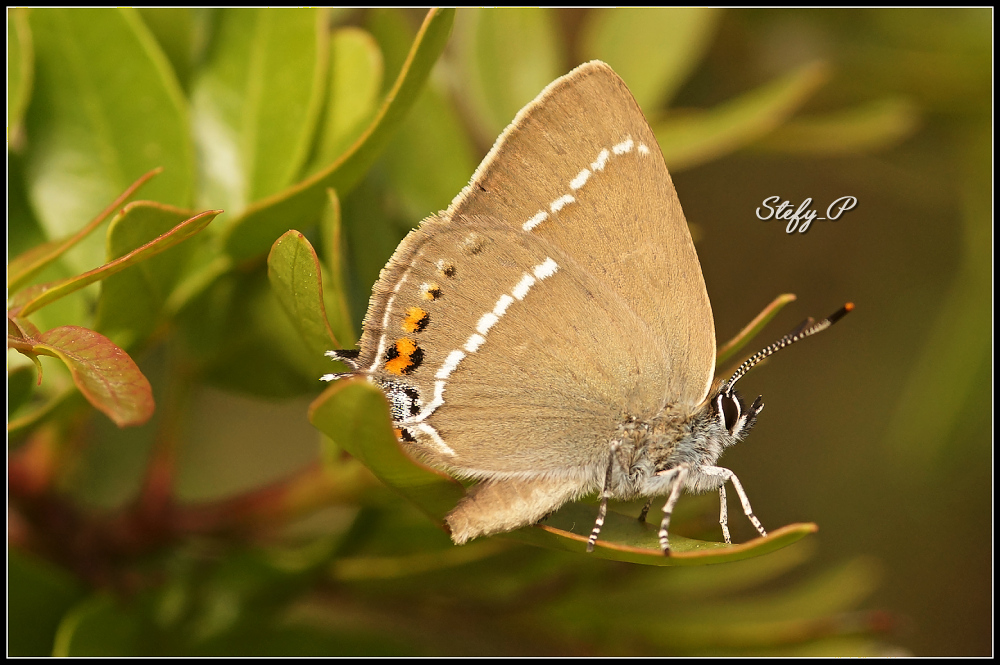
(680, 476)
(727, 475)
(724, 514)
(645, 510)
(605, 494)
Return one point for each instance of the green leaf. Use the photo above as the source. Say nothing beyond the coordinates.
(355, 415)
(392, 29)
(131, 301)
(727, 350)
(294, 272)
(106, 375)
(335, 295)
(653, 49)
(20, 69)
(174, 29)
(34, 260)
(356, 72)
(868, 127)
(506, 56)
(700, 136)
(106, 109)
(301, 205)
(624, 538)
(38, 296)
(257, 100)
(38, 596)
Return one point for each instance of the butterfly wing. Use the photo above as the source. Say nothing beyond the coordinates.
(559, 295)
(580, 167)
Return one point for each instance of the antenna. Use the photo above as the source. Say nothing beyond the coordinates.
(805, 329)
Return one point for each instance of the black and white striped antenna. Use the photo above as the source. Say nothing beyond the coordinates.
(805, 329)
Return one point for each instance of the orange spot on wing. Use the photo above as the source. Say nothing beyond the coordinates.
(416, 320)
(403, 357)
(397, 365)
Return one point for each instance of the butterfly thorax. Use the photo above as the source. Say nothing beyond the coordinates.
(674, 437)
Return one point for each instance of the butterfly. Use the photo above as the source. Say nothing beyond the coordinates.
(550, 335)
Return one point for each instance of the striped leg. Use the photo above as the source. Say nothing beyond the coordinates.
(728, 475)
(724, 514)
(668, 508)
(605, 494)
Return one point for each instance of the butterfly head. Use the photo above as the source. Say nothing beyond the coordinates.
(727, 405)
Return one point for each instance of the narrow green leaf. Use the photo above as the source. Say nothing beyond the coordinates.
(257, 100)
(870, 126)
(20, 70)
(506, 55)
(700, 136)
(355, 415)
(106, 109)
(31, 262)
(131, 301)
(106, 375)
(294, 272)
(301, 205)
(653, 49)
(356, 72)
(624, 538)
(334, 294)
(727, 350)
(36, 297)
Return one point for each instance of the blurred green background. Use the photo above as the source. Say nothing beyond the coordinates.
(879, 430)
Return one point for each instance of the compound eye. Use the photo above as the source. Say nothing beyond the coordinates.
(730, 411)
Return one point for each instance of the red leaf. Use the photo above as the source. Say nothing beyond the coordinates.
(105, 374)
